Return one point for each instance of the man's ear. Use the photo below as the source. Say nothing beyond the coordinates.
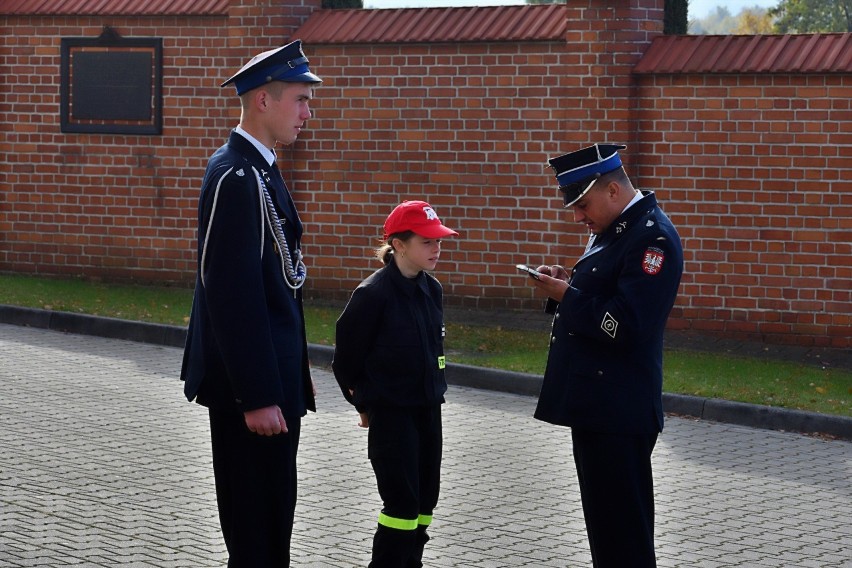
(261, 98)
(613, 190)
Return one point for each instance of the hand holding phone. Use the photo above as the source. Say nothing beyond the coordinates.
(524, 268)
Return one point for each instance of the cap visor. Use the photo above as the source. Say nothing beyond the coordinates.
(568, 199)
(303, 78)
(435, 232)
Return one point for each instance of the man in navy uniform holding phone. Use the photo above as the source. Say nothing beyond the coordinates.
(246, 354)
(604, 371)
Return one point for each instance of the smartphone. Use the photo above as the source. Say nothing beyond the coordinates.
(524, 268)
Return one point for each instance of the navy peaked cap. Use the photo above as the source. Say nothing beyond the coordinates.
(287, 63)
(577, 171)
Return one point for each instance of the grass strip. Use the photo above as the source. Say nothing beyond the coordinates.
(711, 375)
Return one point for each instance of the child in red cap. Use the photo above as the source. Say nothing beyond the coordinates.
(389, 363)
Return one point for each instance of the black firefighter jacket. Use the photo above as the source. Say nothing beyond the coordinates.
(246, 346)
(604, 370)
(389, 342)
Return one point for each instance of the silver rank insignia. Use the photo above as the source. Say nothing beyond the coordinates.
(240, 172)
(609, 325)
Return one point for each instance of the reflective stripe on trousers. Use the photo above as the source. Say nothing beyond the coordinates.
(404, 524)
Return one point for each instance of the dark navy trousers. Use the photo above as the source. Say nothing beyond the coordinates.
(255, 490)
(617, 490)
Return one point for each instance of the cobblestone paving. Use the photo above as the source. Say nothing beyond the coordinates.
(104, 464)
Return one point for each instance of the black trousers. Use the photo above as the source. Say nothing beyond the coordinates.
(255, 490)
(617, 490)
(404, 447)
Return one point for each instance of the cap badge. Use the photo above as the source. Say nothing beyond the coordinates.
(240, 172)
(430, 213)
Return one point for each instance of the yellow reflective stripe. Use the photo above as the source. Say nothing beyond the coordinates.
(424, 520)
(394, 523)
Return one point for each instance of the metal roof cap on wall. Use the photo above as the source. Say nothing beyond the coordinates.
(114, 7)
(797, 53)
(546, 22)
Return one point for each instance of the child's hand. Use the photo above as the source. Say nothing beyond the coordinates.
(363, 420)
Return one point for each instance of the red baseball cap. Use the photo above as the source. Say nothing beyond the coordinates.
(418, 217)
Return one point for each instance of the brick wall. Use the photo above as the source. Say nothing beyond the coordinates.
(754, 169)
(469, 128)
(118, 207)
(435, 123)
(757, 173)
(101, 205)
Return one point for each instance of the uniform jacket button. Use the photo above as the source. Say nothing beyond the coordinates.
(600, 373)
(552, 339)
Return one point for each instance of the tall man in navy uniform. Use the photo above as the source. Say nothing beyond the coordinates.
(246, 353)
(604, 371)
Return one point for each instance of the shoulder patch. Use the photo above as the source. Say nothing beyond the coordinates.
(652, 261)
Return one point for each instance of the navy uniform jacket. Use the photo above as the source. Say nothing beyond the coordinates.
(604, 370)
(389, 345)
(246, 346)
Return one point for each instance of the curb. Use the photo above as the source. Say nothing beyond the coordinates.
(717, 410)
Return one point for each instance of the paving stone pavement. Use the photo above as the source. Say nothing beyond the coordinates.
(104, 464)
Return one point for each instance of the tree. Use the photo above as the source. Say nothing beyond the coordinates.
(675, 17)
(811, 16)
(753, 21)
(720, 21)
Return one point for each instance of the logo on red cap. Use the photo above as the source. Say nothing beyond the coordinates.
(417, 217)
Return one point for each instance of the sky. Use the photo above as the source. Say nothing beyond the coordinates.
(697, 8)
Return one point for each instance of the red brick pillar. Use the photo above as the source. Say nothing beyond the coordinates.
(258, 25)
(608, 38)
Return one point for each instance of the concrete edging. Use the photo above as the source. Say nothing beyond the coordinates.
(717, 410)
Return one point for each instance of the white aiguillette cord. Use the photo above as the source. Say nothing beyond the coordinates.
(294, 277)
